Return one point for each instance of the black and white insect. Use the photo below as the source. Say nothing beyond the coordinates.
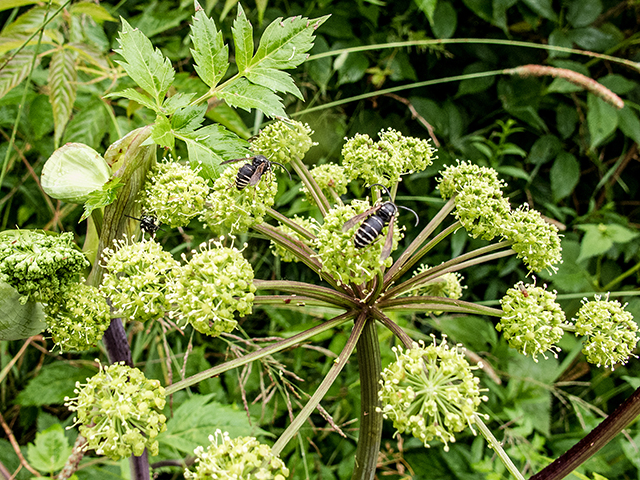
(375, 219)
(148, 223)
(251, 173)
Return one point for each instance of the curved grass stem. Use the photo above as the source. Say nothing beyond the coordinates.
(322, 390)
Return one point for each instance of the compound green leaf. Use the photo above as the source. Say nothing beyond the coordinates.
(54, 382)
(162, 133)
(187, 119)
(15, 71)
(50, 451)
(243, 40)
(95, 11)
(136, 96)
(210, 54)
(147, 66)
(274, 80)
(245, 95)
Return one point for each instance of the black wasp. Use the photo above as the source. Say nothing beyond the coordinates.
(148, 223)
(251, 173)
(375, 219)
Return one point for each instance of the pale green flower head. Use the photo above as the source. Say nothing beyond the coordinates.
(39, 266)
(455, 177)
(532, 320)
(208, 290)
(309, 224)
(174, 193)
(78, 317)
(448, 285)
(119, 411)
(338, 253)
(610, 331)
(283, 141)
(242, 458)
(331, 179)
(535, 241)
(430, 392)
(233, 211)
(136, 278)
(385, 161)
(482, 210)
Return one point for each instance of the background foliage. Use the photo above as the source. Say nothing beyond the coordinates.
(566, 152)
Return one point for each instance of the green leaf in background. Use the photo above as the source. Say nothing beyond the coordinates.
(54, 382)
(351, 67)
(245, 95)
(565, 174)
(18, 320)
(285, 43)
(210, 54)
(227, 116)
(445, 20)
(602, 119)
(243, 40)
(542, 8)
(210, 145)
(88, 125)
(145, 65)
(582, 13)
(629, 123)
(274, 80)
(95, 11)
(618, 84)
(566, 120)
(428, 7)
(544, 149)
(598, 239)
(475, 85)
(198, 417)
(16, 70)
(50, 450)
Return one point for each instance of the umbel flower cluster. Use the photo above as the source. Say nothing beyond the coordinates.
(430, 392)
(119, 411)
(237, 458)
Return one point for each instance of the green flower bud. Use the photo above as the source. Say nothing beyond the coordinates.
(610, 331)
(283, 140)
(447, 285)
(338, 253)
(430, 392)
(233, 211)
(239, 458)
(536, 241)
(482, 210)
(211, 287)
(78, 317)
(74, 171)
(385, 161)
(39, 266)
(108, 413)
(136, 278)
(174, 193)
(331, 180)
(285, 255)
(455, 177)
(532, 320)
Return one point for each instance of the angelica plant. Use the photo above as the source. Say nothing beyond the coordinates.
(429, 391)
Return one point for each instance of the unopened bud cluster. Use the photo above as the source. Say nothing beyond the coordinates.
(119, 411)
(237, 458)
(40, 266)
(610, 331)
(283, 141)
(532, 320)
(430, 392)
(330, 178)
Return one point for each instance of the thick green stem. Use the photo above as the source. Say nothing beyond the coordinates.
(312, 187)
(370, 419)
(322, 390)
(258, 354)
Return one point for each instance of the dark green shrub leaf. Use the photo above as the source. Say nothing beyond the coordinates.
(445, 20)
(565, 174)
(198, 417)
(582, 13)
(566, 120)
(50, 451)
(482, 8)
(544, 149)
(54, 382)
(629, 123)
(428, 7)
(210, 54)
(351, 67)
(602, 119)
(88, 125)
(591, 38)
(542, 8)
(17, 320)
(598, 239)
(475, 85)
(145, 65)
(618, 84)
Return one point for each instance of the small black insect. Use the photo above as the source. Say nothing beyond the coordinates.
(148, 223)
(375, 219)
(251, 173)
